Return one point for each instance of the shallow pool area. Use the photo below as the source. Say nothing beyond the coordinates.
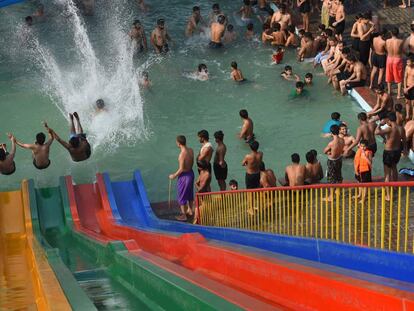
(66, 61)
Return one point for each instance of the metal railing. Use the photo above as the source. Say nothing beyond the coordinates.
(385, 219)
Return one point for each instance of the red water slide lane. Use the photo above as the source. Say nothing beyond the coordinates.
(88, 215)
(283, 283)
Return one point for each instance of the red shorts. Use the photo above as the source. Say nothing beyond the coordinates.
(394, 70)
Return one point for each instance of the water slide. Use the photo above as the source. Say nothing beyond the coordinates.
(263, 276)
(130, 206)
(27, 281)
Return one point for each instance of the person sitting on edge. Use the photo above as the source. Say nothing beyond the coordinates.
(7, 164)
(229, 35)
(249, 34)
(219, 164)
(246, 132)
(299, 91)
(40, 149)
(252, 163)
(295, 173)
(185, 182)
(236, 73)
(314, 171)
(160, 37)
(277, 56)
(100, 105)
(383, 106)
(267, 177)
(335, 120)
(363, 167)
(217, 32)
(288, 74)
(202, 72)
(78, 146)
(233, 185)
(358, 77)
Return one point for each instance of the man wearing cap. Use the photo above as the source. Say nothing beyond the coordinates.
(137, 33)
(160, 37)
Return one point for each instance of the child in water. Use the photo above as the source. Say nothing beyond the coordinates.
(277, 56)
(229, 35)
(236, 73)
(145, 82)
(202, 73)
(308, 79)
(100, 105)
(288, 74)
(299, 91)
(249, 35)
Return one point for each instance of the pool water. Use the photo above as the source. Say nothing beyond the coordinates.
(65, 62)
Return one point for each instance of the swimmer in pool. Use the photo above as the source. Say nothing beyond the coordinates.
(246, 11)
(236, 73)
(193, 23)
(277, 56)
(137, 33)
(202, 72)
(40, 149)
(40, 12)
(229, 35)
(145, 82)
(299, 91)
(7, 165)
(249, 35)
(288, 74)
(29, 20)
(308, 79)
(246, 132)
(160, 37)
(213, 16)
(100, 105)
(78, 146)
(217, 32)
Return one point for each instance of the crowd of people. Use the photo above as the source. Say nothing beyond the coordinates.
(373, 57)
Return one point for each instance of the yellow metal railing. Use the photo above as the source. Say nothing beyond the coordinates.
(385, 219)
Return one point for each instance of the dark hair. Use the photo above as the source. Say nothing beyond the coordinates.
(315, 153)
(321, 27)
(40, 138)
(412, 27)
(244, 114)
(309, 75)
(262, 166)
(233, 65)
(411, 57)
(233, 182)
(181, 140)
(398, 107)
(335, 116)
(250, 26)
(392, 116)
(145, 74)
(196, 8)
(384, 32)
(308, 35)
(28, 19)
(74, 142)
(265, 26)
(160, 21)
(219, 135)
(230, 27)
(246, 2)
(395, 31)
(203, 134)
(342, 125)
(301, 32)
(136, 22)
(362, 116)
(334, 129)
(329, 32)
(363, 142)
(202, 67)
(346, 50)
(352, 58)
(254, 145)
(295, 158)
(2, 155)
(215, 6)
(202, 164)
(291, 29)
(276, 26)
(282, 6)
(310, 157)
(288, 68)
(300, 85)
(100, 104)
(221, 19)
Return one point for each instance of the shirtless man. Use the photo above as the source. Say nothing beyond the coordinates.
(217, 32)
(409, 42)
(355, 33)
(220, 165)
(206, 151)
(394, 66)
(378, 58)
(203, 183)
(348, 141)
(307, 49)
(334, 150)
(267, 177)
(194, 21)
(229, 35)
(40, 149)
(78, 146)
(252, 163)
(246, 132)
(7, 165)
(384, 104)
(339, 23)
(292, 39)
(215, 13)
(409, 137)
(365, 29)
(358, 77)
(137, 33)
(160, 37)
(185, 182)
(392, 149)
(314, 172)
(246, 12)
(279, 36)
(304, 9)
(282, 17)
(236, 74)
(295, 173)
(365, 131)
(409, 87)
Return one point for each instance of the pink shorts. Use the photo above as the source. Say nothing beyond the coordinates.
(394, 70)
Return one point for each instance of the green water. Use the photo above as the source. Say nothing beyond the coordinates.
(175, 105)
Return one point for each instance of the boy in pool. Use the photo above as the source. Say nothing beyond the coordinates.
(160, 37)
(233, 185)
(7, 165)
(145, 82)
(246, 132)
(29, 20)
(229, 35)
(40, 149)
(217, 32)
(137, 33)
(299, 91)
(249, 35)
(308, 79)
(277, 56)
(202, 73)
(236, 73)
(288, 74)
(100, 105)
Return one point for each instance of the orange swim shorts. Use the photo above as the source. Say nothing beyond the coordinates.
(394, 70)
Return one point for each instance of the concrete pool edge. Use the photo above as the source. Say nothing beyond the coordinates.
(360, 100)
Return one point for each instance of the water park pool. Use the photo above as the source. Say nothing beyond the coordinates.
(65, 62)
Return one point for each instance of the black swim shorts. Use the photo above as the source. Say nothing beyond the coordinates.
(220, 172)
(410, 94)
(379, 61)
(334, 175)
(252, 181)
(215, 45)
(391, 157)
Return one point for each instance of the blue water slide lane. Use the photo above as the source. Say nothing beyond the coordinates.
(130, 206)
(4, 3)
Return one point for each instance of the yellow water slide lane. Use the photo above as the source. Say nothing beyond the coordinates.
(27, 281)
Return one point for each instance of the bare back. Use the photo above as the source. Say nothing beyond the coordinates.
(296, 173)
(394, 47)
(186, 158)
(252, 162)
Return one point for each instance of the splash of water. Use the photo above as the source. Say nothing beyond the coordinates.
(75, 84)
